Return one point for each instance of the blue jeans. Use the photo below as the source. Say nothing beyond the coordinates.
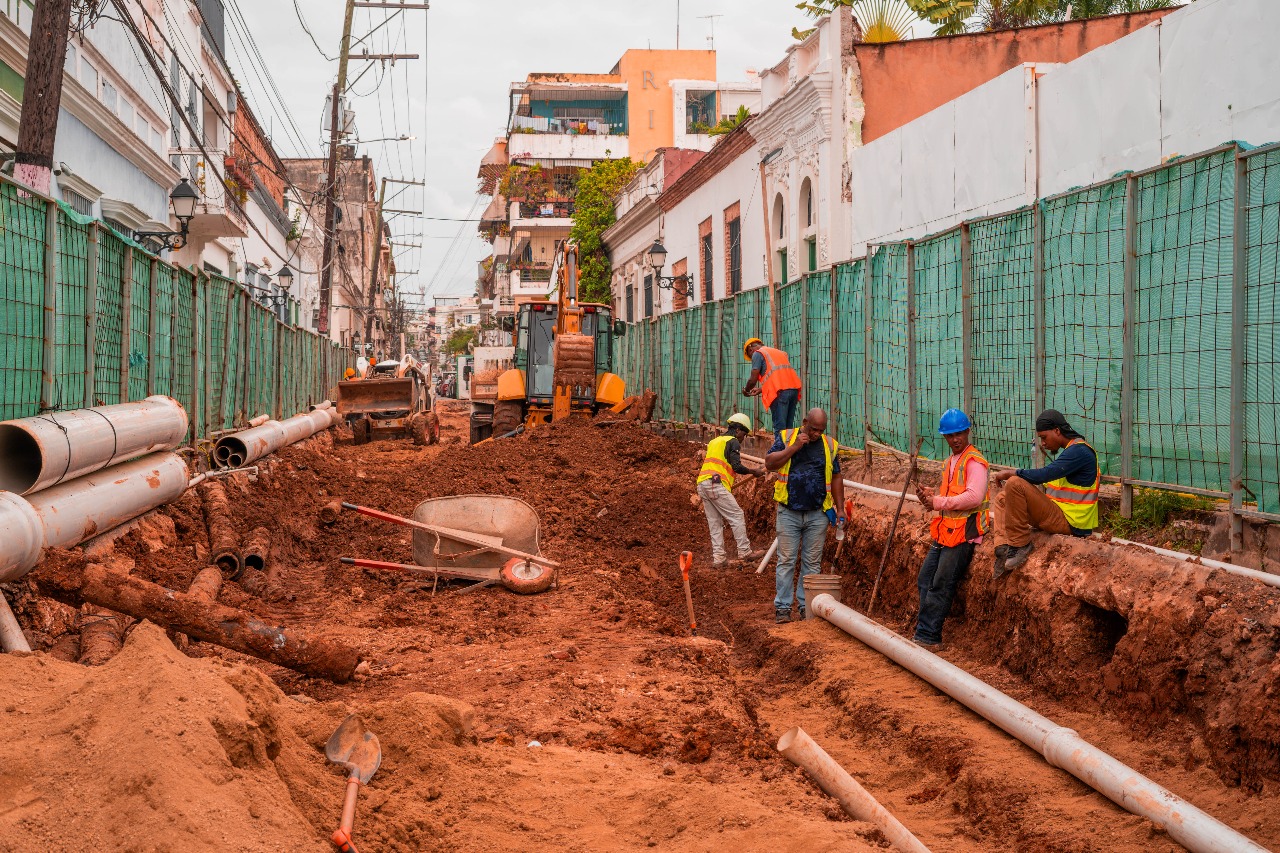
(940, 575)
(783, 410)
(802, 535)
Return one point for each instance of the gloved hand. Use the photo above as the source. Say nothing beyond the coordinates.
(831, 516)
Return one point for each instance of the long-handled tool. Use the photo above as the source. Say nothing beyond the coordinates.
(357, 749)
(768, 555)
(686, 563)
(517, 575)
(479, 540)
(893, 526)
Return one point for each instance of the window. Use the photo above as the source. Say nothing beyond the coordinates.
(779, 217)
(71, 65)
(126, 113)
(812, 245)
(806, 201)
(78, 203)
(157, 140)
(648, 296)
(630, 302)
(708, 281)
(735, 256)
(89, 77)
(565, 184)
(109, 96)
(781, 274)
(175, 82)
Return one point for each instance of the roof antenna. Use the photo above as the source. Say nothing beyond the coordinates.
(711, 39)
(677, 24)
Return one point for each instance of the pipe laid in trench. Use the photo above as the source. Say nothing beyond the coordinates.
(11, 637)
(40, 452)
(224, 541)
(857, 802)
(70, 513)
(198, 618)
(1062, 747)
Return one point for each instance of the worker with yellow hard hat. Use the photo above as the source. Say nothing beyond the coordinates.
(775, 381)
(715, 487)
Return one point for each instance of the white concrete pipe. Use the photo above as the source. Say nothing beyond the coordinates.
(39, 452)
(245, 448)
(323, 404)
(1060, 746)
(11, 637)
(801, 750)
(259, 420)
(73, 512)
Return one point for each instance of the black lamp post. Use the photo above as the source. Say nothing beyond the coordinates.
(657, 256)
(183, 200)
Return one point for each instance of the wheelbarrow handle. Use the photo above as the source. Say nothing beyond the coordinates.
(459, 535)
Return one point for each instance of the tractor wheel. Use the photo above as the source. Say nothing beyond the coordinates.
(507, 416)
(525, 578)
(420, 430)
(361, 431)
(433, 428)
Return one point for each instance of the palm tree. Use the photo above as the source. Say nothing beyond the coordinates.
(958, 16)
(881, 20)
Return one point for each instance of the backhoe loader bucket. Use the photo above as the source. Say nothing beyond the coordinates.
(378, 397)
(510, 521)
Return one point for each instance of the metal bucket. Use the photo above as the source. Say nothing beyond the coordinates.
(815, 585)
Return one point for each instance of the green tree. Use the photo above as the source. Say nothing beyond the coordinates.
(881, 20)
(729, 124)
(461, 340)
(593, 214)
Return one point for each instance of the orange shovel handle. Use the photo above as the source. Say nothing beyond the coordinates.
(686, 563)
(342, 835)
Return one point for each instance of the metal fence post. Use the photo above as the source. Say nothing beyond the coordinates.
(197, 413)
(49, 351)
(153, 331)
(804, 324)
(1037, 319)
(1126, 361)
(913, 428)
(868, 338)
(90, 315)
(835, 353)
(706, 378)
(206, 392)
(126, 322)
(1239, 317)
(278, 370)
(966, 317)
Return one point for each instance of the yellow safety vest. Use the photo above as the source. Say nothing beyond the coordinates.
(716, 463)
(1078, 503)
(829, 447)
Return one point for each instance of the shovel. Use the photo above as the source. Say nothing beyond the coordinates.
(355, 748)
(686, 563)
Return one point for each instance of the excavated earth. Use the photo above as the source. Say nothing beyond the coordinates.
(586, 717)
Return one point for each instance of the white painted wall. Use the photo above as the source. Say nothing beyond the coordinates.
(1197, 78)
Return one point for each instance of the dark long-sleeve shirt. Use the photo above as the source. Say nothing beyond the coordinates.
(733, 455)
(1077, 464)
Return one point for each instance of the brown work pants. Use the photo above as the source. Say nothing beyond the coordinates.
(1020, 507)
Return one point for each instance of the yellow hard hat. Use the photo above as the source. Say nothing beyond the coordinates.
(749, 342)
(741, 420)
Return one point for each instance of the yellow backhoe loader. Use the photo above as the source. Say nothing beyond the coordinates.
(563, 360)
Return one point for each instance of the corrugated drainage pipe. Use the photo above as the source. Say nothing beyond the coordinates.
(39, 452)
(803, 751)
(1060, 746)
(73, 512)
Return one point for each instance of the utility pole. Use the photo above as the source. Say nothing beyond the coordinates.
(377, 254)
(38, 125)
(335, 135)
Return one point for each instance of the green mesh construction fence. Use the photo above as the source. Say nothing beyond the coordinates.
(1008, 313)
(1261, 392)
(124, 325)
(939, 341)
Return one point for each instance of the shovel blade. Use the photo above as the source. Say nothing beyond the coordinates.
(356, 748)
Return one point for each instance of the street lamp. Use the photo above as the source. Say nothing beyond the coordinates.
(183, 200)
(405, 138)
(286, 277)
(657, 256)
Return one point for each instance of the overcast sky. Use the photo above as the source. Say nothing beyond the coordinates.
(473, 51)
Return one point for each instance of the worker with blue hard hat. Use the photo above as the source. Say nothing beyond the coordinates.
(962, 516)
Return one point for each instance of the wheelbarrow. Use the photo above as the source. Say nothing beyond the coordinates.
(490, 539)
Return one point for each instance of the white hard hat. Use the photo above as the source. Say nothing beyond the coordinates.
(741, 420)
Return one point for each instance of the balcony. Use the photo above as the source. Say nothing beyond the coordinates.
(532, 281)
(220, 212)
(545, 214)
(570, 148)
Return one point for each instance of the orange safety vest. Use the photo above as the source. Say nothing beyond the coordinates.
(951, 528)
(716, 462)
(778, 375)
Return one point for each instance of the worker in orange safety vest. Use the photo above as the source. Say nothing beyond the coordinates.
(775, 381)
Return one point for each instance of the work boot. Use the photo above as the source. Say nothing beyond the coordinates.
(781, 616)
(755, 556)
(925, 644)
(720, 564)
(1018, 556)
(800, 615)
(1002, 555)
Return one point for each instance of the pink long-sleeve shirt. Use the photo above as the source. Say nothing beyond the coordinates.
(975, 488)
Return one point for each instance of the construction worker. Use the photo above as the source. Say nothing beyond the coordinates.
(775, 381)
(1069, 503)
(808, 492)
(962, 517)
(715, 487)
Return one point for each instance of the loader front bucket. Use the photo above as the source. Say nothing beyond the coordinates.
(376, 397)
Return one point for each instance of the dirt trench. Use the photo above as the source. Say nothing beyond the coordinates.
(650, 739)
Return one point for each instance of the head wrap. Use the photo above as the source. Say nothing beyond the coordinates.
(1053, 419)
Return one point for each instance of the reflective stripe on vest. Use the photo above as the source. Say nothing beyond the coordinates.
(778, 375)
(1078, 503)
(952, 527)
(830, 448)
(716, 463)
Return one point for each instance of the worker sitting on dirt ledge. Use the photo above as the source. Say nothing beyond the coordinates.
(1069, 503)
(715, 487)
(962, 517)
(777, 381)
(808, 490)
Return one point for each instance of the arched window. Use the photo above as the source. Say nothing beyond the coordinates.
(779, 217)
(806, 202)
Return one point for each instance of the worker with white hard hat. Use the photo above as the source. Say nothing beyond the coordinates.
(715, 487)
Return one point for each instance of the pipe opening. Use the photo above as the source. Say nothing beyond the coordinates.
(235, 450)
(221, 452)
(229, 563)
(784, 742)
(254, 561)
(1102, 630)
(20, 459)
(235, 460)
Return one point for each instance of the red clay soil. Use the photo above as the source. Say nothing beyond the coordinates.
(651, 739)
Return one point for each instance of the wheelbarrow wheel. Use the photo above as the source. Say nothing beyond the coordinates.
(525, 578)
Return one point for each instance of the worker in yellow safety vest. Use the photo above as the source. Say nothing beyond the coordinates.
(715, 487)
(962, 517)
(1069, 503)
(809, 494)
(775, 381)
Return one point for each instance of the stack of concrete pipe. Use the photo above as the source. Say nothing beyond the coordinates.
(246, 447)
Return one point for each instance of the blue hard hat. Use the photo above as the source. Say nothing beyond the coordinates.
(953, 420)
